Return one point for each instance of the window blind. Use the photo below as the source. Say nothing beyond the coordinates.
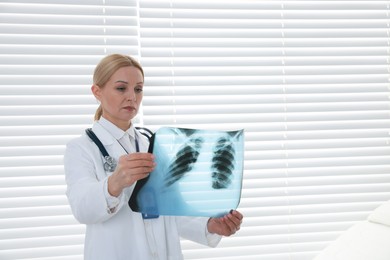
(48, 50)
(309, 83)
(307, 80)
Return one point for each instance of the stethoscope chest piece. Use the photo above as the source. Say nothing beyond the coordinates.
(110, 164)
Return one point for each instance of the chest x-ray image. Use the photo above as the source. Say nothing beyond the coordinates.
(198, 173)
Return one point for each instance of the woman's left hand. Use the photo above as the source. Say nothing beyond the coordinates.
(227, 225)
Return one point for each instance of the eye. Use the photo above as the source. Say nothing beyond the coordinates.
(121, 88)
(138, 89)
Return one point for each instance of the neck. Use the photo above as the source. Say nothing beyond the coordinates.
(123, 125)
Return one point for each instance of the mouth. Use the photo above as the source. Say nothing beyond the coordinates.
(130, 108)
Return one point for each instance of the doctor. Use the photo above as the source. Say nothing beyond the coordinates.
(98, 195)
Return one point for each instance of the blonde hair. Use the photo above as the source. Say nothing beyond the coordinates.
(107, 67)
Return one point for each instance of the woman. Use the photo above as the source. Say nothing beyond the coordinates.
(98, 195)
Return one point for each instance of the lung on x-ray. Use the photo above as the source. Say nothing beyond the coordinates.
(198, 173)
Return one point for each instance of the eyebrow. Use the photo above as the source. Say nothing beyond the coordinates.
(125, 82)
(121, 81)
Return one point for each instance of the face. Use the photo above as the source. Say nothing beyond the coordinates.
(121, 97)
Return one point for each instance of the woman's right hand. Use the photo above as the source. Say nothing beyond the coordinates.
(131, 168)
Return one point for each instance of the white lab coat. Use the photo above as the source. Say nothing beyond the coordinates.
(122, 234)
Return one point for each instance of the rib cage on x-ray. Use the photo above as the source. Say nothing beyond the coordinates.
(186, 157)
(222, 162)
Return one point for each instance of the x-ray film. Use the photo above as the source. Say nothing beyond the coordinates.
(198, 173)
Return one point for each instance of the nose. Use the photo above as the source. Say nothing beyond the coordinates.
(131, 95)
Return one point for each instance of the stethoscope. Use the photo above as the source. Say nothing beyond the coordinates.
(109, 162)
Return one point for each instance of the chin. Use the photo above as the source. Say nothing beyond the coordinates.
(130, 117)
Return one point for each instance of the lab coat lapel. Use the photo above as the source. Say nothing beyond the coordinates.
(112, 146)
